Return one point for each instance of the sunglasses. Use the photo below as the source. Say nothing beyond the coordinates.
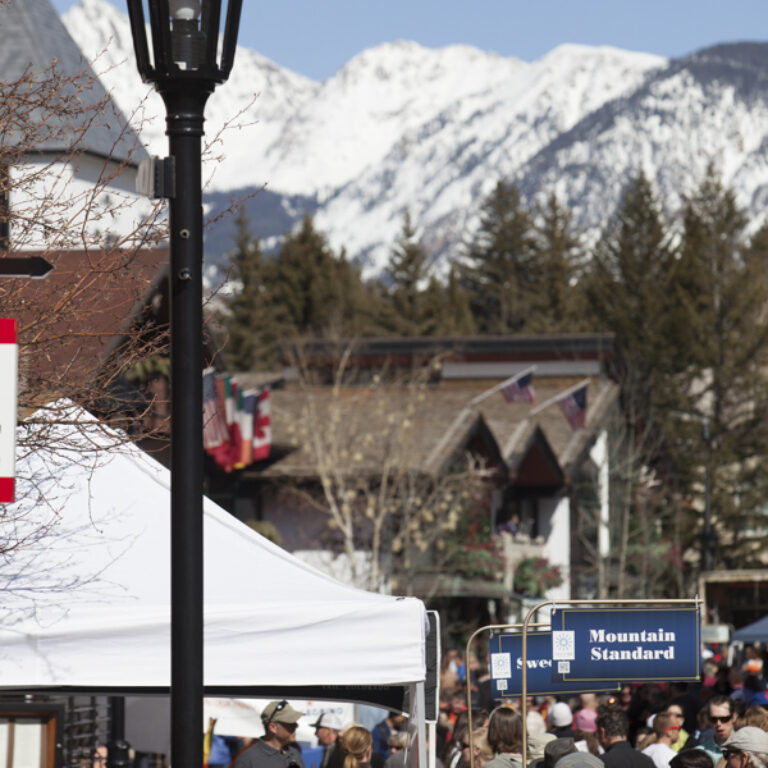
(674, 728)
(731, 752)
(716, 719)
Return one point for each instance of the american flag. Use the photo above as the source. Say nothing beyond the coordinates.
(519, 390)
(214, 424)
(574, 407)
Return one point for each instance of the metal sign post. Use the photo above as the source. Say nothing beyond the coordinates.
(695, 602)
(469, 692)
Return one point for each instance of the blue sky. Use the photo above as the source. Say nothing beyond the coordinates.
(316, 37)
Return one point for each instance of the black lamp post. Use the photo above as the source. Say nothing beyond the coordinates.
(183, 66)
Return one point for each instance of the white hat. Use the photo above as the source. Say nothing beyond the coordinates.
(328, 720)
(560, 716)
(748, 739)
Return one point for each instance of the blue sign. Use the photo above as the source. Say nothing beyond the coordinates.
(506, 652)
(627, 644)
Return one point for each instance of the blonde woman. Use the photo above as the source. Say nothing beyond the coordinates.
(481, 749)
(357, 743)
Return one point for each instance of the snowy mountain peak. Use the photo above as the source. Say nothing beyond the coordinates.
(403, 127)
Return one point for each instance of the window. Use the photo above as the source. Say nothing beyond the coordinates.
(28, 737)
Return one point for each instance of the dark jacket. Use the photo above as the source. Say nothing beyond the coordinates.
(621, 754)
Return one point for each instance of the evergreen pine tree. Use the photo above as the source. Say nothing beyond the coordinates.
(316, 293)
(722, 295)
(360, 309)
(628, 286)
(446, 308)
(306, 293)
(558, 258)
(498, 272)
(407, 269)
(250, 323)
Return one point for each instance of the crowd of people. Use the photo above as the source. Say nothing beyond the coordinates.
(721, 722)
(343, 745)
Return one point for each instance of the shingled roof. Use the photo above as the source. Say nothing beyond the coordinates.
(538, 446)
(361, 429)
(34, 38)
(442, 424)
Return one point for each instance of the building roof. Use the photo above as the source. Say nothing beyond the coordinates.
(70, 322)
(361, 430)
(34, 38)
(356, 428)
(463, 368)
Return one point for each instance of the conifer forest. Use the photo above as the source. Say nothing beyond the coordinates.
(685, 293)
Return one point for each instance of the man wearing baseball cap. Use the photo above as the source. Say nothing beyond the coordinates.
(747, 748)
(327, 728)
(277, 747)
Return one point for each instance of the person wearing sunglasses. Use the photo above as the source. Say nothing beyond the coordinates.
(747, 748)
(277, 748)
(723, 718)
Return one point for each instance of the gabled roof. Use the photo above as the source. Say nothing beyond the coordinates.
(535, 464)
(539, 447)
(361, 430)
(539, 450)
(33, 37)
(513, 425)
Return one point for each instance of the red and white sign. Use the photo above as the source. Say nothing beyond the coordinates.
(8, 395)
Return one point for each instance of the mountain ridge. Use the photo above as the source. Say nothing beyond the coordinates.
(403, 127)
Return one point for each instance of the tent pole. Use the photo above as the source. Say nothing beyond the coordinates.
(118, 748)
(420, 723)
(432, 743)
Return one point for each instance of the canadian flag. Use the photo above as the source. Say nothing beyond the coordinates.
(8, 379)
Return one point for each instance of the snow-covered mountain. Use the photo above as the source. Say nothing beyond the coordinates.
(403, 127)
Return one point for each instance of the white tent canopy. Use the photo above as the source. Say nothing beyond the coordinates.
(86, 600)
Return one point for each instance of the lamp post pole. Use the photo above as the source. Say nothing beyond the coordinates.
(185, 70)
(184, 130)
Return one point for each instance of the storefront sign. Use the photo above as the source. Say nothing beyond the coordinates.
(8, 378)
(625, 644)
(507, 667)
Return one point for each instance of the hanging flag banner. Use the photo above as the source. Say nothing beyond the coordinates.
(574, 407)
(236, 424)
(519, 390)
(8, 396)
(506, 655)
(626, 644)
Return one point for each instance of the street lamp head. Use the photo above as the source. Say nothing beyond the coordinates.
(187, 39)
(184, 41)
